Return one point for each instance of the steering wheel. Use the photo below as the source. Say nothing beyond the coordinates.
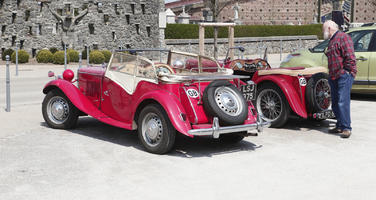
(172, 71)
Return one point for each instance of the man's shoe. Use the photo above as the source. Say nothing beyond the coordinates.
(335, 130)
(345, 134)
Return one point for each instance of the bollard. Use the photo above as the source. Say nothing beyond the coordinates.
(280, 51)
(7, 85)
(87, 56)
(79, 60)
(16, 59)
(65, 56)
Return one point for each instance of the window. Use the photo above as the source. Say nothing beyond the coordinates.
(39, 29)
(18, 3)
(13, 40)
(76, 12)
(132, 8)
(106, 18)
(22, 44)
(116, 9)
(1, 3)
(91, 28)
(127, 17)
(362, 40)
(143, 8)
(33, 52)
(27, 15)
(3, 29)
(14, 15)
(41, 7)
(30, 30)
(59, 11)
(124, 63)
(113, 36)
(148, 30)
(138, 28)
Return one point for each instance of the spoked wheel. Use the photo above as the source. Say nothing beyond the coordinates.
(322, 94)
(318, 94)
(58, 111)
(272, 105)
(155, 130)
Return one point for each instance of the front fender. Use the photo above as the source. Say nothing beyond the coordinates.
(172, 106)
(82, 102)
(293, 97)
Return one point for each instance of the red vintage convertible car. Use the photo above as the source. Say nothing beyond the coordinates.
(190, 94)
(285, 91)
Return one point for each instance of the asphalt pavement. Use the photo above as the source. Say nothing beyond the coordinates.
(98, 161)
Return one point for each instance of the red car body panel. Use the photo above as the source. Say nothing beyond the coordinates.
(82, 102)
(291, 89)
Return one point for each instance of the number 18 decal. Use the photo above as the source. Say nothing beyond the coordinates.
(192, 93)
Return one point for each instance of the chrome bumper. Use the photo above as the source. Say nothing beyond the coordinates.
(216, 130)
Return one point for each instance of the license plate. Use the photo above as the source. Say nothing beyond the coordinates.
(324, 115)
(249, 92)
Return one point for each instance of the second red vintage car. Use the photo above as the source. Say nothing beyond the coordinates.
(188, 93)
(282, 92)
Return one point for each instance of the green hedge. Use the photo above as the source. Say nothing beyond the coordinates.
(96, 57)
(107, 55)
(59, 58)
(23, 56)
(7, 52)
(44, 56)
(190, 31)
(73, 55)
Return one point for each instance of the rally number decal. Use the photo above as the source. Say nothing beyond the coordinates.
(192, 93)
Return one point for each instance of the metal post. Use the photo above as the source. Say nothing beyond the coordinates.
(80, 60)
(280, 49)
(87, 55)
(16, 58)
(65, 56)
(7, 85)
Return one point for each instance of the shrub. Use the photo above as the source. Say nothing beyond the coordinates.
(6, 52)
(58, 58)
(23, 56)
(190, 31)
(53, 50)
(107, 55)
(73, 55)
(96, 57)
(44, 56)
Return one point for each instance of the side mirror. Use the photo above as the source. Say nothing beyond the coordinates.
(51, 74)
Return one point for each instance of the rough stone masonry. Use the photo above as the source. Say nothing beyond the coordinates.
(99, 24)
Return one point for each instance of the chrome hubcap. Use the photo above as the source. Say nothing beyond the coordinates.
(269, 104)
(58, 110)
(152, 129)
(322, 94)
(228, 101)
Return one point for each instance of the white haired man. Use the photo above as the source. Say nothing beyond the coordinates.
(342, 71)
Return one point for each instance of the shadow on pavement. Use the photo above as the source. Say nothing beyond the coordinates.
(363, 97)
(184, 146)
(299, 124)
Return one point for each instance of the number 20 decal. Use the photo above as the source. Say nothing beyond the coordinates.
(192, 93)
(302, 81)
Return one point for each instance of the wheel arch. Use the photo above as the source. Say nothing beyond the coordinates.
(172, 106)
(291, 95)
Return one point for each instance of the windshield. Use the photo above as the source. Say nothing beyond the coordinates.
(184, 63)
(321, 47)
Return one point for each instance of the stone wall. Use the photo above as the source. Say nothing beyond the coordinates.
(108, 24)
(253, 45)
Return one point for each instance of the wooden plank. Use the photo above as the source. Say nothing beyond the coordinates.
(217, 24)
(202, 40)
(231, 41)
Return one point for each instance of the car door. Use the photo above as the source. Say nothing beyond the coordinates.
(118, 87)
(362, 44)
(372, 66)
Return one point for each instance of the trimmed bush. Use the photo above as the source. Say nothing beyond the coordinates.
(190, 31)
(58, 58)
(44, 56)
(53, 50)
(73, 55)
(96, 57)
(6, 52)
(107, 55)
(23, 56)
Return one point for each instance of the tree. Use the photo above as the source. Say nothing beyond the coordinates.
(216, 7)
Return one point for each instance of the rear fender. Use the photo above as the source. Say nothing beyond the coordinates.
(82, 102)
(171, 105)
(293, 97)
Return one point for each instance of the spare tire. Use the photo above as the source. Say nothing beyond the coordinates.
(317, 93)
(223, 100)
